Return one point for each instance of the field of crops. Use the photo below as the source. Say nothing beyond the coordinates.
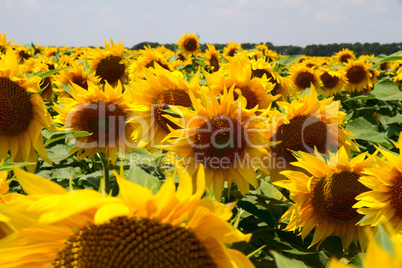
(111, 157)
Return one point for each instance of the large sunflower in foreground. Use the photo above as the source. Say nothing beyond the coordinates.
(252, 91)
(303, 77)
(173, 228)
(384, 200)
(325, 199)
(223, 136)
(189, 44)
(109, 63)
(104, 114)
(307, 123)
(22, 114)
(376, 256)
(152, 96)
(358, 76)
(4, 43)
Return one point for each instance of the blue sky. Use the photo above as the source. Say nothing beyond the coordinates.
(286, 22)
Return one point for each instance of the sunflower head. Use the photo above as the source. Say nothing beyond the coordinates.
(109, 64)
(22, 113)
(4, 43)
(104, 114)
(212, 58)
(308, 124)
(358, 76)
(325, 199)
(230, 49)
(383, 203)
(345, 55)
(332, 82)
(223, 136)
(189, 44)
(137, 229)
(303, 77)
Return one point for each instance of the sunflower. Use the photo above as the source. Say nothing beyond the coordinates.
(22, 114)
(376, 256)
(104, 114)
(303, 77)
(358, 76)
(4, 43)
(282, 85)
(332, 81)
(109, 64)
(230, 49)
(152, 96)
(223, 136)
(253, 91)
(148, 58)
(75, 74)
(212, 58)
(189, 44)
(173, 228)
(398, 77)
(307, 123)
(384, 200)
(345, 55)
(325, 200)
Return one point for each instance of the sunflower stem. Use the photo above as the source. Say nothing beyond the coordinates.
(105, 168)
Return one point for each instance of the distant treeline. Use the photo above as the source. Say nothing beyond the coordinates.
(309, 50)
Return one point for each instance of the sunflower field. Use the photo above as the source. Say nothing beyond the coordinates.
(112, 157)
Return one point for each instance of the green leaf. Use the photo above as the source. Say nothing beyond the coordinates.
(139, 176)
(365, 130)
(384, 240)
(289, 60)
(362, 97)
(49, 73)
(62, 135)
(66, 88)
(357, 261)
(58, 152)
(7, 166)
(387, 90)
(284, 262)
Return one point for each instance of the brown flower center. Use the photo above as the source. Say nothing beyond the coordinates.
(80, 81)
(356, 74)
(152, 64)
(260, 73)
(334, 196)
(16, 110)
(219, 141)
(104, 120)
(134, 242)
(345, 57)
(214, 63)
(396, 200)
(328, 80)
(190, 44)
(162, 102)
(110, 69)
(304, 79)
(301, 134)
(47, 88)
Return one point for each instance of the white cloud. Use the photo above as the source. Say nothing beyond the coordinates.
(32, 4)
(105, 10)
(326, 16)
(305, 10)
(289, 3)
(240, 3)
(231, 12)
(57, 6)
(85, 8)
